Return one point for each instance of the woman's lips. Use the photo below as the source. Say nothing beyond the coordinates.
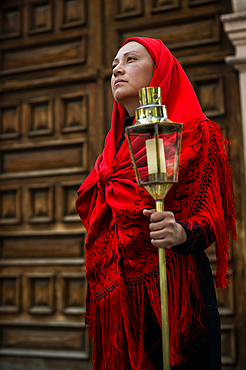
(118, 82)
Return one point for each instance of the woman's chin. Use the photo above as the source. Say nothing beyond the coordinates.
(127, 101)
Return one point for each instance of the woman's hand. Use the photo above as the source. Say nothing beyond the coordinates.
(165, 232)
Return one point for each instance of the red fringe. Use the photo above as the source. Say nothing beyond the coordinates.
(207, 190)
(118, 319)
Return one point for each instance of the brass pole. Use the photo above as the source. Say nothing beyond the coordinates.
(164, 299)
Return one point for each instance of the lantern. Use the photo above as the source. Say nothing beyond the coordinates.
(154, 144)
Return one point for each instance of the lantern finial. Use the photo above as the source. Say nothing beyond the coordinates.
(150, 105)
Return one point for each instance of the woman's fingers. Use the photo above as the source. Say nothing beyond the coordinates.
(165, 232)
(148, 212)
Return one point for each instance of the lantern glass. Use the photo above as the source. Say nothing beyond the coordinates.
(155, 149)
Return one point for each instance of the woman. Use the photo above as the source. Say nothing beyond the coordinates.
(124, 232)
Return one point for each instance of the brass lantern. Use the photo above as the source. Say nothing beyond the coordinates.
(155, 143)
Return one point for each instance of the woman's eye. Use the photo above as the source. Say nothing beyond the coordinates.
(114, 65)
(130, 59)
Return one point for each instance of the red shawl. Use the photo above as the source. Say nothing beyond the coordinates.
(122, 265)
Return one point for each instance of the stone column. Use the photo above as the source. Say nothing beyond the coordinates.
(235, 27)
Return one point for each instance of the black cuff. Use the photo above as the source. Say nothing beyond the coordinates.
(196, 240)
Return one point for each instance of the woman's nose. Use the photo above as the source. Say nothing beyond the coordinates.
(118, 70)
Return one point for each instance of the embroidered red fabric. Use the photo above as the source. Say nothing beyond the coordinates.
(122, 265)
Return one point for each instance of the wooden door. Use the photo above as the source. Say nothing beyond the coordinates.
(55, 108)
(51, 132)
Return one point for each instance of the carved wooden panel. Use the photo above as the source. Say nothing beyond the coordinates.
(10, 201)
(10, 120)
(47, 248)
(63, 52)
(228, 342)
(10, 293)
(41, 203)
(10, 22)
(73, 287)
(40, 16)
(207, 30)
(73, 112)
(73, 13)
(201, 2)
(162, 5)
(129, 8)
(32, 339)
(210, 91)
(39, 115)
(41, 293)
(69, 196)
(56, 158)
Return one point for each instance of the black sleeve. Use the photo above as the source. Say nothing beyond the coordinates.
(196, 241)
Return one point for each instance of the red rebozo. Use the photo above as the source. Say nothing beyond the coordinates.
(122, 265)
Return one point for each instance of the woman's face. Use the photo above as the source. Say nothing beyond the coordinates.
(132, 69)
